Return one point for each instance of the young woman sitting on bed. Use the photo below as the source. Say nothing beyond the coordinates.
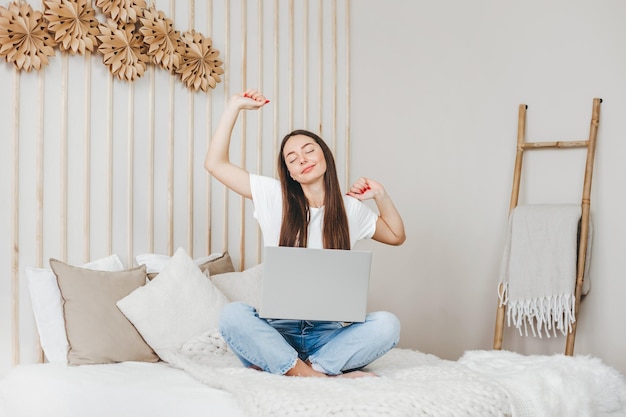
(306, 209)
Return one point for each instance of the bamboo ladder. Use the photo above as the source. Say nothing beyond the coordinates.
(522, 146)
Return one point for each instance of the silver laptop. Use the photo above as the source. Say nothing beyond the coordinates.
(315, 284)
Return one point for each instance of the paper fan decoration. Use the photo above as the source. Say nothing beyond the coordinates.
(24, 38)
(123, 50)
(162, 40)
(74, 25)
(200, 68)
(125, 11)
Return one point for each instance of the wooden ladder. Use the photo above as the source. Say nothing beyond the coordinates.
(522, 146)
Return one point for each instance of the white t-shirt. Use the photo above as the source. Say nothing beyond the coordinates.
(268, 210)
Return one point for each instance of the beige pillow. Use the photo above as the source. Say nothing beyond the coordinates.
(97, 331)
(242, 286)
(219, 265)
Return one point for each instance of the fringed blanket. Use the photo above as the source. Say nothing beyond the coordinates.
(538, 272)
(410, 383)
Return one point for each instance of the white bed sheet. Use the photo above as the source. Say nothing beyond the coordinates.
(129, 389)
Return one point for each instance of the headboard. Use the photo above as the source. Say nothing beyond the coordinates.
(92, 165)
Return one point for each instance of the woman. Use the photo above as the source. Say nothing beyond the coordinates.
(306, 209)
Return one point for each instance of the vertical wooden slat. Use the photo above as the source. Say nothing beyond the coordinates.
(305, 64)
(259, 133)
(130, 197)
(226, 97)
(15, 271)
(244, 129)
(190, 147)
(87, 162)
(151, 145)
(334, 77)
(170, 178)
(63, 156)
(276, 105)
(109, 169)
(347, 93)
(209, 129)
(320, 66)
(291, 58)
(39, 187)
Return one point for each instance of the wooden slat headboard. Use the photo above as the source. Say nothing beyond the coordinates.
(95, 166)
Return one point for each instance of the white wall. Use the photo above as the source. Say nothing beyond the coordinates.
(435, 92)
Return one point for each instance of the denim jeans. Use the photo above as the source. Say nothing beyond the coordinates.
(275, 345)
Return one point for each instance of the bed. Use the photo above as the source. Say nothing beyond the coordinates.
(180, 365)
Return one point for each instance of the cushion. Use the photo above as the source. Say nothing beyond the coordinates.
(47, 306)
(175, 306)
(242, 286)
(97, 331)
(215, 263)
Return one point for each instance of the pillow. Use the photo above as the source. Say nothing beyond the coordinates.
(216, 263)
(97, 332)
(175, 306)
(47, 306)
(242, 286)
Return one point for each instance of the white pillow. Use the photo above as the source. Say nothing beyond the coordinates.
(48, 306)
(175, 306)
(242, 286)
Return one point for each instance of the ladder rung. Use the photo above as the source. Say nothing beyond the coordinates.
(559, 144)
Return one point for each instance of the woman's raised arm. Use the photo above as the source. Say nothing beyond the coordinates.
(217, 160)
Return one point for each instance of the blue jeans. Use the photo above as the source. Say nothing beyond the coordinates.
(275, 345)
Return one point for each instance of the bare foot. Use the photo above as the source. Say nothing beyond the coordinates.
(303, 369)
(357, 374)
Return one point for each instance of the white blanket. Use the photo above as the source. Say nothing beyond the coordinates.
(538, 273)
(553, 386)
(410, 383)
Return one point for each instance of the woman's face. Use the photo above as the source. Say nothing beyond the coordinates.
(304, 159)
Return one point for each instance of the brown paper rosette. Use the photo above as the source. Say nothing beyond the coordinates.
(74, 25)
(123, 49)
(24, 37)
(125, 11)
(164, 43)
(200, 67)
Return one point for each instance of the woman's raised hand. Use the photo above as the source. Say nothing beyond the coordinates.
(250, 99)
(365, 188)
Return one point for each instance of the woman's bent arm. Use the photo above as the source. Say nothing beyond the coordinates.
(389, 226)
(217, 160)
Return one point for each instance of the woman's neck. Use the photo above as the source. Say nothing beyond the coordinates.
(314, 194)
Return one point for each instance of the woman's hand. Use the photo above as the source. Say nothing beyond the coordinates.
(250, 99)
(365, 188)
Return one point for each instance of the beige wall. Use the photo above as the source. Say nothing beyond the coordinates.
(435, 92)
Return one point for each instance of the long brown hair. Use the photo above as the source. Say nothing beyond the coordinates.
(294, 227)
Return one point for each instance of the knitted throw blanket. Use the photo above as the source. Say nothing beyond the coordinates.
(538, 272)
(409, 384)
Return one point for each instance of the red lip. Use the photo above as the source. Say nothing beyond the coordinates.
(307, 169)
